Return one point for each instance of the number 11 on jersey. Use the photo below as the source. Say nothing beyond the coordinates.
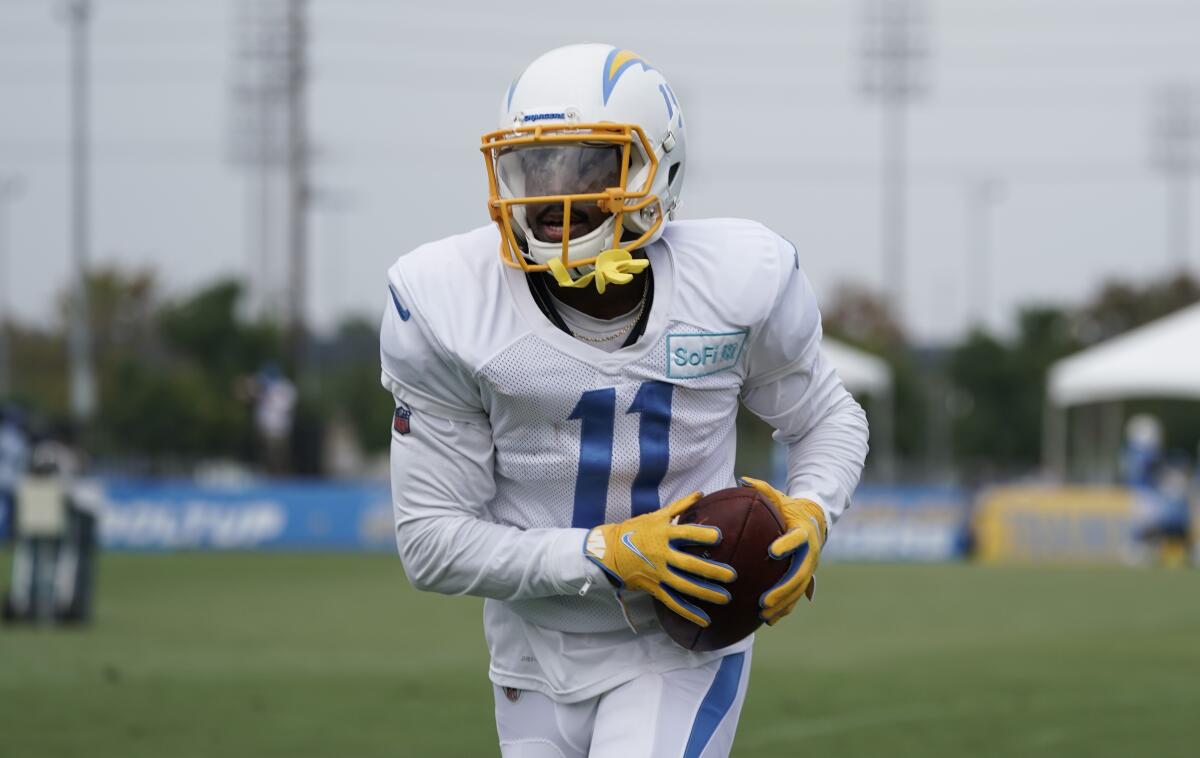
(596, 412)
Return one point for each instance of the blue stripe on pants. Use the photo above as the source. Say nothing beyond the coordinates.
(716, 703)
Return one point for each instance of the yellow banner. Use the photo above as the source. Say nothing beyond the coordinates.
(1195, 526)
(1056, 525)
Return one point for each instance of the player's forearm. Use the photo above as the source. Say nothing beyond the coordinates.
(442, 479)
(824, 429)
(462, 555)
(824, 465)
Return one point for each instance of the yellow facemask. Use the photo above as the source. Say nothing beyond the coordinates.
(617, 200)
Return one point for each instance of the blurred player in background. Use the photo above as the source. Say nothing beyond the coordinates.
(274, 398)
(558, 404)
(14, 459)
(1161, 480)
(53, 562)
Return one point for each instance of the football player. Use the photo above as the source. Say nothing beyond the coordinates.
(566, 378)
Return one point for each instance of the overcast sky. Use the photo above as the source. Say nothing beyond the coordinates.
(1053, 97)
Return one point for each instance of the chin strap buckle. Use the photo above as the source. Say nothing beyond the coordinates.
(614, 266)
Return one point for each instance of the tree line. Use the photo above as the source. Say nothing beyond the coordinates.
(169, 369)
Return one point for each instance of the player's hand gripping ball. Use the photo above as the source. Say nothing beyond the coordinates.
(649, 553)
(750, 523)
(805, 522)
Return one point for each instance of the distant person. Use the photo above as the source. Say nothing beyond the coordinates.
(14, 459)
(275, 399)
(1160, 484)
(1166, 531)
(1193, 515)
(53, 564)
(1142, 454)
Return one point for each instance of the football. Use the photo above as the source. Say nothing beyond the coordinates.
(748, 524)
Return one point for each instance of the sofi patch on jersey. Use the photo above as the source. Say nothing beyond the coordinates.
(693, 355)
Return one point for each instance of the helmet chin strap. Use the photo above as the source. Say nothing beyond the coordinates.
(614, 266)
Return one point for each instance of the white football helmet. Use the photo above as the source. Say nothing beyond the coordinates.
(592, 127)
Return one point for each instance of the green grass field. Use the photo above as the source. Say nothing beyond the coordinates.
(294, 655)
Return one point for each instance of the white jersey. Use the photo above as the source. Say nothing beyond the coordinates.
(513, 438)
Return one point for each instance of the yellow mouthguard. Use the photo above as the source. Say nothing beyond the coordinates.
(614, 266)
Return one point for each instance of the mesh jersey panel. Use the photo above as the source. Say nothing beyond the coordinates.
(531, 389)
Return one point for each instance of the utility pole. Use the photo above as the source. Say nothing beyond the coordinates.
(257, 142)
(82, 378)
(893, 47)
(297, 176)
(982, 195)
(10, 190)
(270, 138)
(1176, 152)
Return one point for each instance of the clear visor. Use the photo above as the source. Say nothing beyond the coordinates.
(570, 169)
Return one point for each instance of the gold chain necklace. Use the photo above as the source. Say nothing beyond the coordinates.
(641, 306)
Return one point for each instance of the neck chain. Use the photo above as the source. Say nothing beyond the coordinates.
(641, 306)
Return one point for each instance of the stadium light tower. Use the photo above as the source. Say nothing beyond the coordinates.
(893, 49)
(82, 378)
(10, 189)
(1176, 152)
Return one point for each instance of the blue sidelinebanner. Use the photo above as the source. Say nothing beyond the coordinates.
(883, 524)
(142, 514)
(903, 523)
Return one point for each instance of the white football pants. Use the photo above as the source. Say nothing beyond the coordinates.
(686, 713)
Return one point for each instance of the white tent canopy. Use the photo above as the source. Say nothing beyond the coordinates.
(860, 371)
(1160, 359)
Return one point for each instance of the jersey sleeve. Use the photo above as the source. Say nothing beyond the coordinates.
(442, 476)
(791, 331)
(792, 386)
(442, 479)
(416, 368)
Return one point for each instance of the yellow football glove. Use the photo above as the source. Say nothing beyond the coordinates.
(640, 554)
(802, 541)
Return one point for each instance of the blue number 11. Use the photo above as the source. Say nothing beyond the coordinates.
(597, 412)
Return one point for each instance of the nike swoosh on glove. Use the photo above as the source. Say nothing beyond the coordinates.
(642, 553)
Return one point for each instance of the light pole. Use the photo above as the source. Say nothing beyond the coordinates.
(10, 189)
(83, 383)
(297, 168)
(982, 195)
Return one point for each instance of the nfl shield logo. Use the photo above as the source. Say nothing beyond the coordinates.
(400, 420)
(513, 694)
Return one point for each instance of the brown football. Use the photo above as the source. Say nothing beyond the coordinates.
(748, 524)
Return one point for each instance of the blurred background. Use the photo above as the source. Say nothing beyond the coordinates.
(198, 204)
